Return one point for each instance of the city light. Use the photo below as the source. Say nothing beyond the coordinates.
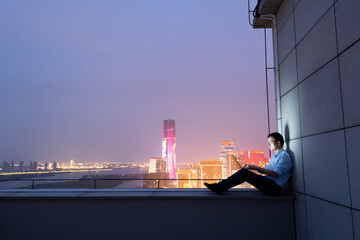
(157, 172)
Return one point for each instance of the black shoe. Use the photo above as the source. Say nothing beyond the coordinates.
(214, 187)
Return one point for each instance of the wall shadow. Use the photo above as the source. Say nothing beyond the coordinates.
(289, 186)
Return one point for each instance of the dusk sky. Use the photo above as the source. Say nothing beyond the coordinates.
(93, 80)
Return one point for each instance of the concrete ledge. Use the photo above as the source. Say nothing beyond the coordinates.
(239, 194)
(113, 214)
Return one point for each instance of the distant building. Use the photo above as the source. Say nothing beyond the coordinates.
(157, 180)
(12, 166)
(196, 168)
(247, 157)
(72, 164)
(225, 147)
(210, 169)
(157, 165)
(233, 168)
(186, 178)
(254, 157)
(169, 147)
(6, 167)
(46, 166)
(21, 166)
(55, 166)
(33, 166)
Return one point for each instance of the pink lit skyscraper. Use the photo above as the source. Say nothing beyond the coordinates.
(169, 146)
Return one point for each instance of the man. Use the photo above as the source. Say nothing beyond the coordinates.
(278, 171)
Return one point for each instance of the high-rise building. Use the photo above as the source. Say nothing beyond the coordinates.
(12, 166)
(72, 164)
(226, 147)
(186, 177)
(157, 165)
(46, 165)
(55, 166)
(233, 168)
(35, 166)
(21, 166)
(6, 167)
(156, 180)
(254, 157)
(169, 147)
(210, 169)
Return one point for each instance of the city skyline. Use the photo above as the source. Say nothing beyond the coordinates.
(75, 86)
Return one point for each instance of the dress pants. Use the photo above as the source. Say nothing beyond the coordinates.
(264, 184)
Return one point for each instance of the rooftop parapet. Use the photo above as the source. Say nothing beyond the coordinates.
(144, 214)
(265, 7)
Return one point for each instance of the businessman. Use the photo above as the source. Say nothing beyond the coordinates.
(277, 172)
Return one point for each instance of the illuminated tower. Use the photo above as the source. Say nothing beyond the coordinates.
(169, 146)
(226, 147)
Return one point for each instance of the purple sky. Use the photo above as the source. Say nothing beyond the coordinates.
(93, 80)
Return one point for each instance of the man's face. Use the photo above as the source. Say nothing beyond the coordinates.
(273, 144)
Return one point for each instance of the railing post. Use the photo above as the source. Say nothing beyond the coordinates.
(94, 183)
(158, 183)
(33, 184)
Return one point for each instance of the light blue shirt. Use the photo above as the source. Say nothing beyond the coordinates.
(280, 163)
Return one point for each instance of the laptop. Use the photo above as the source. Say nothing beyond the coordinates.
(233, 158)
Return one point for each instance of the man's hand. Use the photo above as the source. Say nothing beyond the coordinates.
(251, 167)
(261, 170)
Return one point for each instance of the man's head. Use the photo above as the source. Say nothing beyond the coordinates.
(275, 141)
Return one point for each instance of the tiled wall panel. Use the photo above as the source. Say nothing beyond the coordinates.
(288, 75)
(328, 90)
(300, 217)
(290, 114)
(350, 84)
(356, 219)
(353, 151)
(307, 13)
(347, 21)
(286, 39)
(328, 221)
(284, 12)
(296, 2)
(325, 167)
(293, 147)
(320, 101)
(318, 47)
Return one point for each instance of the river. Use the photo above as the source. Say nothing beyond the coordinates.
(12, 184)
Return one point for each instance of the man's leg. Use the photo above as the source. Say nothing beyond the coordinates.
(262, 183)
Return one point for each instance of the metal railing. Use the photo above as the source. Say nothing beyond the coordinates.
(157, 182)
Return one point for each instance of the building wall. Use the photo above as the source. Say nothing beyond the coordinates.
(158, 215)
(319, 68)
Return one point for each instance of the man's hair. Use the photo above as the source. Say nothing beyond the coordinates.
(278, 137)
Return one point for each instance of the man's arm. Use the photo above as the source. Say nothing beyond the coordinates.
(262, 170)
